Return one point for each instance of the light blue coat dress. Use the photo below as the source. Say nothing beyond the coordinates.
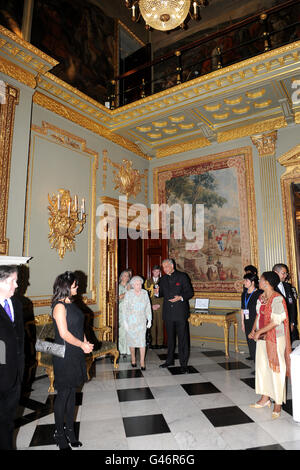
(123, 347)
(137, 311)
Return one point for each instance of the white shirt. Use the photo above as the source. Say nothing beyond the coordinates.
(10, 305)
(281, 288)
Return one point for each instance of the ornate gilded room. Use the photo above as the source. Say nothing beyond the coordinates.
(120, 121)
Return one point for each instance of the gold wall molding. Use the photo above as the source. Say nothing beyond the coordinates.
(127, 180)
(291, 161)
(9, 100)
(83, 121)
(66, 139)
(255, 128)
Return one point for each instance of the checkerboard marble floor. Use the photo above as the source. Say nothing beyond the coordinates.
(162, 409)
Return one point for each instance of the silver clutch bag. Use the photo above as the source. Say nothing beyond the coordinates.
(50, 348)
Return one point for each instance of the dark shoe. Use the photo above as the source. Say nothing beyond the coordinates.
(143, 368)
(184, 370)
(249, 358)
(133, 365)
(61, 441)
(166, 364)
(160, 346)
(71, 438)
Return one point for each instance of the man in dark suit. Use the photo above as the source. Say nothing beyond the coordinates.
(176, 289)
(285, 289)
(11, 353)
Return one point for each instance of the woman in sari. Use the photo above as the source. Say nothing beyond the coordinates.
(273, 347)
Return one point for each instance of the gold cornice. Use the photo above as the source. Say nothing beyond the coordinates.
(18, 73)
(26, 45)
(182, 147)
(256, 128)
(220, 76)
(83, 121)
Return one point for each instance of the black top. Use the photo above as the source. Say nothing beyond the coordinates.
(70, 371)
(251, 305)
(291, 302)
(178, 283)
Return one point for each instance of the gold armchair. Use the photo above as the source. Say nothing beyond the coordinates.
(45, 323)
(102, 347)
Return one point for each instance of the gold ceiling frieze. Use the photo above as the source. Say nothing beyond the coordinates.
(83, 121)
(256, 128)
(182, 147)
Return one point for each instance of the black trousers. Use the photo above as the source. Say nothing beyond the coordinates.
(181, 329)
(251, 343)
(64, 409)
(9, 401)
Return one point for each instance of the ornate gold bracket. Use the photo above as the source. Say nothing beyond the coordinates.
(127, 180)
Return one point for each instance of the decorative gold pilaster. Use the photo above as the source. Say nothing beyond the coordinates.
(9, 98)
(271, 214)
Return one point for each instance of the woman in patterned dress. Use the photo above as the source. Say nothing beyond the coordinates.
(137, 317)
(124, 286)
(273, 347)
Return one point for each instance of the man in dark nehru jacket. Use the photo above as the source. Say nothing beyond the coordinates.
(11, 353)
(176, 289)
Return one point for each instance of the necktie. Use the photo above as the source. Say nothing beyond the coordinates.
(7, 309)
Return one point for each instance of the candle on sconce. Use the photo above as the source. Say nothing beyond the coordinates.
(69, 208)
(83, 205)
(76, 203)
(58, 202)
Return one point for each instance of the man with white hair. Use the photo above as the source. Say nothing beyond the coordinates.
(176, 289)
(12, 360)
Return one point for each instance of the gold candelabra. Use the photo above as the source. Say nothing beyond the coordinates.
(65, 217)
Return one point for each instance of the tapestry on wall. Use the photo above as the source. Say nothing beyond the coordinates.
(223, 183)
(81, 37)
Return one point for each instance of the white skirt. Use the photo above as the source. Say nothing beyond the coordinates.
(267, 382)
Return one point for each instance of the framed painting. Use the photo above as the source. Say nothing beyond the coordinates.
(82, 38)
(223, 183)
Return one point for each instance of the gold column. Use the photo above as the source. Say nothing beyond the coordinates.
(27, 19)
(271, 212)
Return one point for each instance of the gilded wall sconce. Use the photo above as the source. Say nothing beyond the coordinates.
(66, 220)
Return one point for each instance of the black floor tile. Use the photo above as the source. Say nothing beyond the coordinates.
(127, 374)
(213, 353)
(133, 394)
(270, 447)
(288, 407)
(200, 388)
(250, 382)
(177, 370)
(226, 416)
(163, 356)
(43, 434)
(145, 425)
(233, 365)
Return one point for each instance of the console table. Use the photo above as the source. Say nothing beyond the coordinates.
(220, 317)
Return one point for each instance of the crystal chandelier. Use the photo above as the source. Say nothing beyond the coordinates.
(165, 15)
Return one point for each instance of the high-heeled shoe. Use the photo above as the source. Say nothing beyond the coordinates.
(61, 441)
(258, 405)
(143, 368)
(133, 364)
(276, 414)
(71, 438)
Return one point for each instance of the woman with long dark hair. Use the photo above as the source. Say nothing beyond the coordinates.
(273, 348)
(70, 371)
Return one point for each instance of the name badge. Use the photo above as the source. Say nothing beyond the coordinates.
(290, 300)
(246, 314)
